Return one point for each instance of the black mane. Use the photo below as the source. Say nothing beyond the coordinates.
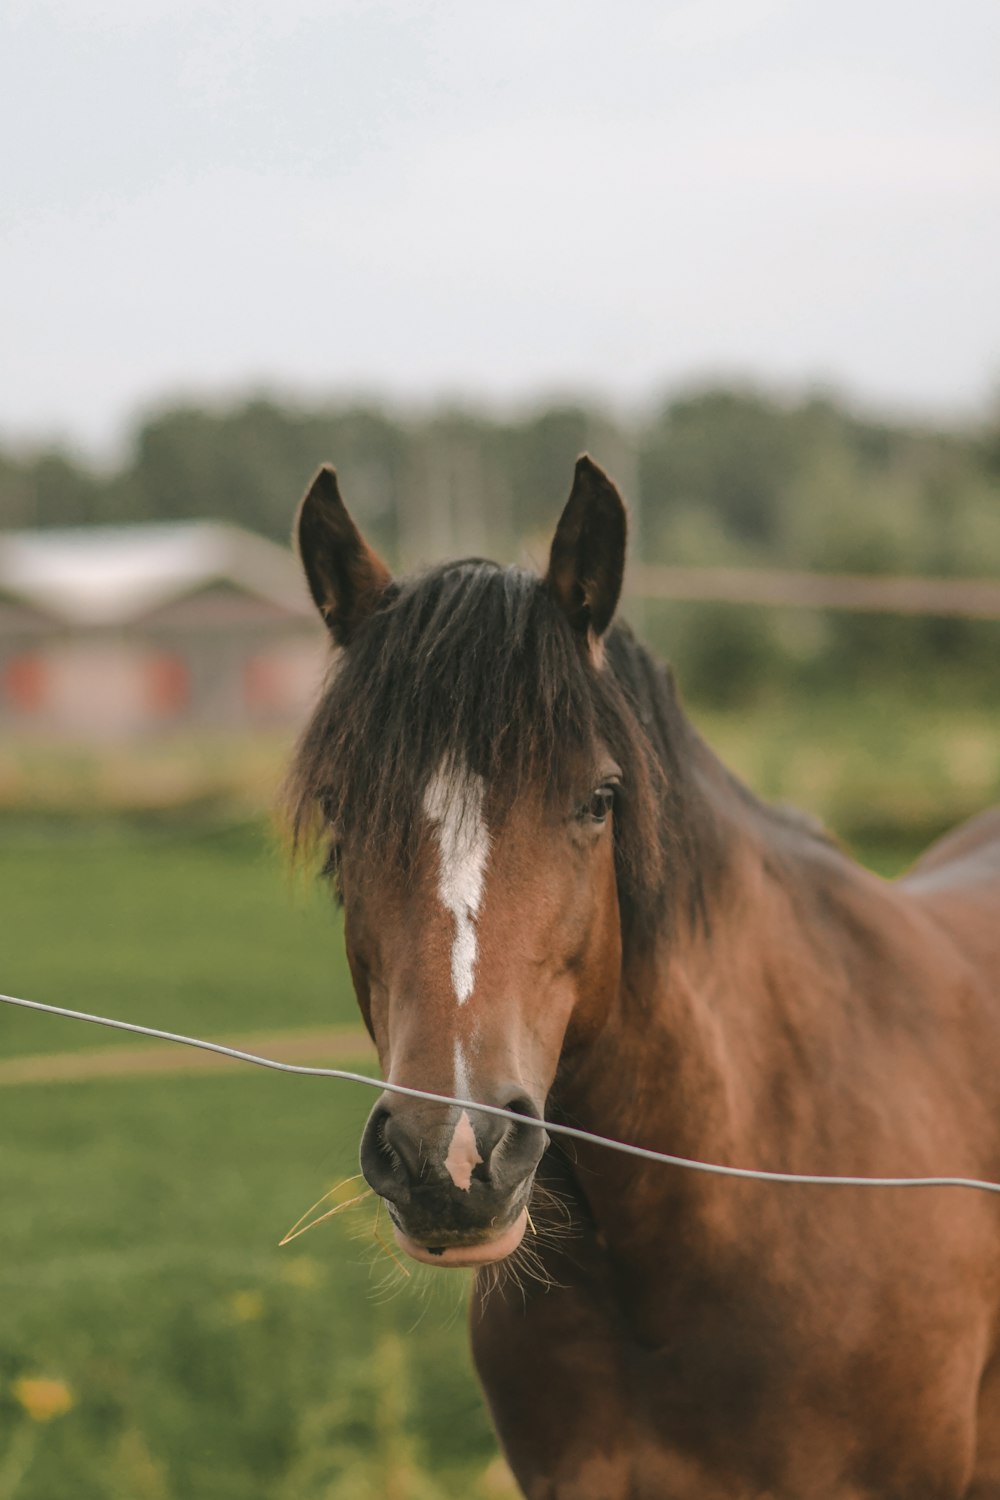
(473, 664)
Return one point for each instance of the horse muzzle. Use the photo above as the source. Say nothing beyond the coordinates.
(457, 1191)
(483, 1253)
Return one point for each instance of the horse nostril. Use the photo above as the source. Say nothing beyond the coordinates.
(517, 1147)
(521, 1104)
(382, 1165)
(379, 1121)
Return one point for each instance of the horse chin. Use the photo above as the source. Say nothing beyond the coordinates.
(483, 1253)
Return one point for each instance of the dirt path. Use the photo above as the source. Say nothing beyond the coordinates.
(333, 1045)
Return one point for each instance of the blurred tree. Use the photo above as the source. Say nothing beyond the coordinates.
(732, 452)
(50, 489)
(715, 476)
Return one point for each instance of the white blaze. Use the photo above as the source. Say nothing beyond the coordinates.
(453, 802)
(462, 1085)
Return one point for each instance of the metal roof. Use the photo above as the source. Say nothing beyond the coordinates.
(113, 575)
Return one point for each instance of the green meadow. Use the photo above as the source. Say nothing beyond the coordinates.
(155, 1341)
(143, 1289)
(183, 927)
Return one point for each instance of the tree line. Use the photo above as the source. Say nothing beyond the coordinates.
(714, 475)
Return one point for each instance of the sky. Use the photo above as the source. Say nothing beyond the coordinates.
(493, 203)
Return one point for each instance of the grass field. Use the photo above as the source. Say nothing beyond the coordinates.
(140, 1270)
(155, 1343)
(186, 931)
(141, 1283)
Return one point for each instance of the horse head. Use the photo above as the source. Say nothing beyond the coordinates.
(469, 761)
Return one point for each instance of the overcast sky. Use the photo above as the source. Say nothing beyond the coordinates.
(494, 200)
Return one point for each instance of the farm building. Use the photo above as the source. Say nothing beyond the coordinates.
(108, 632)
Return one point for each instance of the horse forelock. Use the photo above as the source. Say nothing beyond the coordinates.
(469, 680)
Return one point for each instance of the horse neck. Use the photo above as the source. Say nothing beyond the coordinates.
(686, 1061)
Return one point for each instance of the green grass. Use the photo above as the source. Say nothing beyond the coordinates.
(139, 1266)
(204, 932)
(139, 1263)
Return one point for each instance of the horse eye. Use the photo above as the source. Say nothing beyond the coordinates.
(600, 804)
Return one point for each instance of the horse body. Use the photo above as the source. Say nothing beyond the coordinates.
(556, 899)
(710, 1338)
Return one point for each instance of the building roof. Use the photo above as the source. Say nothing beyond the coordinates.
(116, 575)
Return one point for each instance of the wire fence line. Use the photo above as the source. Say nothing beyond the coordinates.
(967, 598)
(570, 1132)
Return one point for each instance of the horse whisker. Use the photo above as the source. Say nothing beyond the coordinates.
(392, 1254)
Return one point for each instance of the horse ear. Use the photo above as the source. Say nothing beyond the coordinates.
(346, 578)
(587, 560)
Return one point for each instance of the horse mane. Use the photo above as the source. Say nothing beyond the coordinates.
(472, 664)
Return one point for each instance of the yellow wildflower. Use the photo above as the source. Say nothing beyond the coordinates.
(246, 1307)
(42, 1398)
(301, 1271)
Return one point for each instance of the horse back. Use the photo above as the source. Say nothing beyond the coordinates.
(957, 880)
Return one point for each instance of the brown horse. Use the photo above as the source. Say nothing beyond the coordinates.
(556, 899)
